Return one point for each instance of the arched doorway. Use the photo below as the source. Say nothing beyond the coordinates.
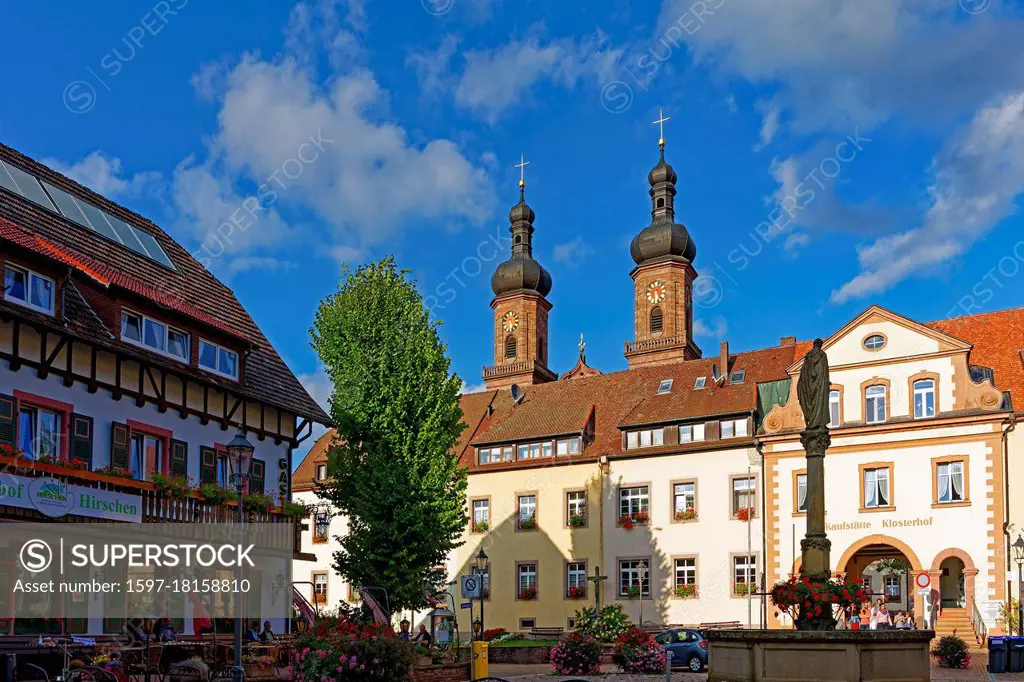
(888, 566)
(952, 583)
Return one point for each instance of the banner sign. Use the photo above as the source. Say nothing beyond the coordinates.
(56, 498)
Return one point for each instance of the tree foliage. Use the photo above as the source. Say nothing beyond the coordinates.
(396, 407)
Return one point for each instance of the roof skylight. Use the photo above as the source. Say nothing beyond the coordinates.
(700, 382)
(82, 213)
(665, 386)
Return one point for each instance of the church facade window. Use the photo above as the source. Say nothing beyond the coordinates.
(510, 347)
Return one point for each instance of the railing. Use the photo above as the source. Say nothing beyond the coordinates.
(156, 507)
(513, 368)
(653, 344)
(980, 629)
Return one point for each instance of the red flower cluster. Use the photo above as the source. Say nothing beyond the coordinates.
(627, 521)
(491, 633)
(811, 604)
(528, 593)
(745, 514)
(576, 592)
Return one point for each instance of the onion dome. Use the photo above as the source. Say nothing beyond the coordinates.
(521, 271)
(663, 237)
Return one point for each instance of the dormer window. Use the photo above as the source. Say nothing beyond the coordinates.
(700, 383)
(738, 376)
(29, 289)
(141, 330)
(218, 359)
(321, 472)
(665, 386)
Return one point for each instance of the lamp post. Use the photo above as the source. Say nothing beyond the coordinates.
(1018, 556)
(481, 560)
(240, 458)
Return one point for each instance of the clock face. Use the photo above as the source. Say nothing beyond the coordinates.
(656, 291)
(510, 321)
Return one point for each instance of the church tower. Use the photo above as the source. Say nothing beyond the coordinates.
(520, 307)
(663, 278)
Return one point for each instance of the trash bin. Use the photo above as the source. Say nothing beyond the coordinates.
(479, 660)
(997, 654)
(1015, 664)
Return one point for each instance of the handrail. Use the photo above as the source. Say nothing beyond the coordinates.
(652, 344)
(980, 629)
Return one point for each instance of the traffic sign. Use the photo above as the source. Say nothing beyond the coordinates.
(471, 587)
(466, 605)
(923, 581)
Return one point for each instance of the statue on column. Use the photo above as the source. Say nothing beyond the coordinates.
(813, 388)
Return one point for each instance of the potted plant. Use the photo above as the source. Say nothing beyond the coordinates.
(742, 589)
(577, 520)
(211, 492)
(952, 652)
(810, 604)
(176, 487)
(116, 472)
(480, 527)
(423, 658)
(633, 591)
(745, 514)
(576, 592)
(257, 502)
(10, 451)
(686, 591)
(527, 593)
(528, 523)
(688, 514)
(627, 521)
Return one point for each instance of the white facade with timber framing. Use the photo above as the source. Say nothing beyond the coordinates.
(120, 352)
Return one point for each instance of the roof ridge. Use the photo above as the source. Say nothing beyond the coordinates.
(1001, 311)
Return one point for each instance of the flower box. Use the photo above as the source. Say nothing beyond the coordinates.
(627, 521)
(688, 514)
(742, 589)
(576, 592)
(116, 472)
(577, 521)
(528, 593)
(527, 523)
(745, 514)
(480, 527)
(686, 591)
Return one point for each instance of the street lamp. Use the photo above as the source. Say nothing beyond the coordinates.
(239, 459)
(1018, 555)
(481, 560)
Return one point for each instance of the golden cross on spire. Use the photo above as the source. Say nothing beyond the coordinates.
(523, 163)
(661, 127)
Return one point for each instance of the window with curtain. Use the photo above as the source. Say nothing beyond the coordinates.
(576, 576)
(801, 492)
(743, 494)
(733, 428)
(874, 404)
(39, 431)
(876, 488)
(744, 573)
(527, 576)
(527, 508)
(924, 398)
(481, 511)
(833, 409)
(684, 497)
(950, 483)
(146, 456)
(691, 433)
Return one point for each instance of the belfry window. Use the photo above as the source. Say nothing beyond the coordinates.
(661, 202)
(656, 320)
(510, 347)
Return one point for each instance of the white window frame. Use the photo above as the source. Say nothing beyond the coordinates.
(872, 337)
(872, 478)
(834, 415)
(924, 392)
(484, 507)
(801, 482)
(738, 376)
(29, 274)
(748, 489)
(733, 428)
(527, 570)
(37, 439)
(685, 571)
(520, 507)
(636, 495)
(896, 581)
(631, 567)
(700, 382)
(875, 397)
(320, 581)
(168, 328)
(692, 433)
(576, 504)
(949, 473)
(576, 574)
(665, 386)
(689, 497)
(568, 446)
(321, 472)
(747, 566)
(219, 348)
(645, 438)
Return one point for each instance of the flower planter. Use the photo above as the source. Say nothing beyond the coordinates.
(686, 592)
(686, 515)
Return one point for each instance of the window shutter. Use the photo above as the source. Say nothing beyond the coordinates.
(256, 474)
(119, 446)
(207, 465)
(81, 439)
(179, 458)
(8, 417)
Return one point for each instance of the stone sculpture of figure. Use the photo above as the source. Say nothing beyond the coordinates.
(813, 388)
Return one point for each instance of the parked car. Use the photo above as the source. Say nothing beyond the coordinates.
(689, 648)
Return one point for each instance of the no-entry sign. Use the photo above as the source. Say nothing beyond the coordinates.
(923, 581)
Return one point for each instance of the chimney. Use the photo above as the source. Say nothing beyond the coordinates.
(723, 362)
(787, 341)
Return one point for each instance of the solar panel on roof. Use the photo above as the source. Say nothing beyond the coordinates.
(97, 221)
(155, 251)
(67, 205)
(6, 181)
(125, 233)
(30, 187)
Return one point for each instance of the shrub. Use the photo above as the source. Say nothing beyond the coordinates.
(952, 652)
(577, 655)
(294, 510)
(343, 649)
(636, 651)
(257, 502)
(492, 633)
(211, 492)
(177, 487)
(604, 626)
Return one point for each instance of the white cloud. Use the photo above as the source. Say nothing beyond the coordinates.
(794, 242)
(472, 388)
(105, 175)
(770, 113)
(494, 80)
(717, 329)
(976, 178)
(432, 67)
(573, 252)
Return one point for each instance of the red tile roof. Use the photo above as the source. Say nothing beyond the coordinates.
(189, 289)
(997, 339)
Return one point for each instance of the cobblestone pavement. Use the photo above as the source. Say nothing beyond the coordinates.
(542, 673)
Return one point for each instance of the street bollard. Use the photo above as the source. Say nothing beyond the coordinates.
(668, 666)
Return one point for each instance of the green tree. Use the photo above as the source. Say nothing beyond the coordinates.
(396, 406)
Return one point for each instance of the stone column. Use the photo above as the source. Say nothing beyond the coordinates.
(815, 547)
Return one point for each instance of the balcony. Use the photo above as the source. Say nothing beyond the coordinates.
(514, 368)
(647, 345)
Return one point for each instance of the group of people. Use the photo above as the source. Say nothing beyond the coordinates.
(877, 617)
(256, 635)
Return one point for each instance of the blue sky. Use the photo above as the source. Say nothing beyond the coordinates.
(830, 155)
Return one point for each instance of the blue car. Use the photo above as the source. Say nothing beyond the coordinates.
(689, 648)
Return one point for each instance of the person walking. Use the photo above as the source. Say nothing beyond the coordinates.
(883, 619)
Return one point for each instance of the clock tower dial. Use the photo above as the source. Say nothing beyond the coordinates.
(510, 321)
(656, 291)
